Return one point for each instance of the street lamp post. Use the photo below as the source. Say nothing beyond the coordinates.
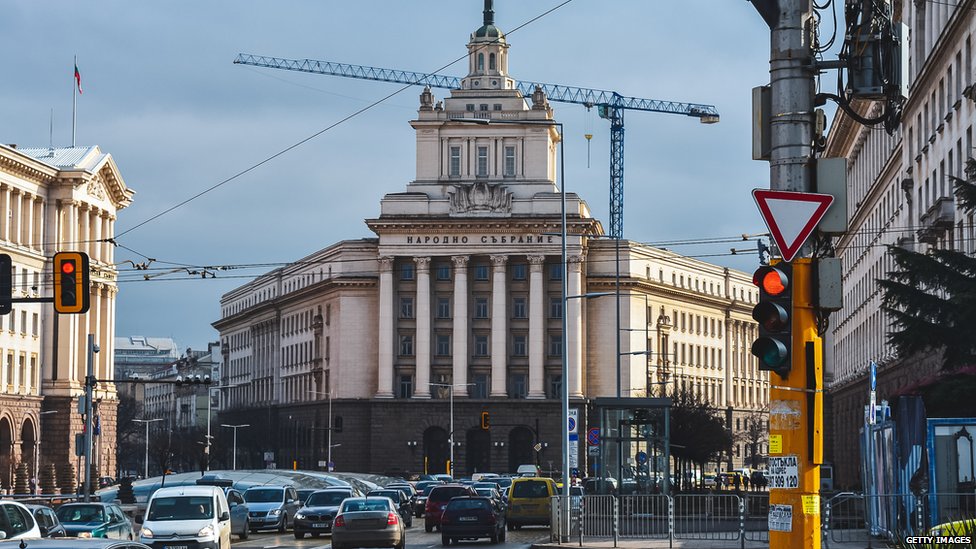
(235, 428)
(145, 473)
(328, 456)
(450, 437)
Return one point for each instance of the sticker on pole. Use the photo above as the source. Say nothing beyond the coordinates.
(780, 518)
(784, 472)
(791, 217)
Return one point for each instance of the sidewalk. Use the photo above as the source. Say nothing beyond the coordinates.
(685, 543)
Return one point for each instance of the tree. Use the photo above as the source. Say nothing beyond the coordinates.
(698, 433)
(754, 435)
(932, 296)
(129, 433)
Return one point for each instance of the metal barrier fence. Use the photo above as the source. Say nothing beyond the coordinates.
(707, 516)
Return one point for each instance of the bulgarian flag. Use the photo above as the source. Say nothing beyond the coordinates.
(78, 77)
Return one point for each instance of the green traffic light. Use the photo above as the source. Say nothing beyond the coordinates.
(771, 352)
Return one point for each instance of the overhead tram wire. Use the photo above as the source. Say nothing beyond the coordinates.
(322, 131)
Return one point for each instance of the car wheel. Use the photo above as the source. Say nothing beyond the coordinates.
(428, 528)
(402, 544)
(445, 540)
(283, 526)
(247, 530)
(299, 535)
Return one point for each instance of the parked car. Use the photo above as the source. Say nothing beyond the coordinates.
(437, 501)
(400, 501)
(368, 522)
(468, 517)
(316, 516)
(17, 521)
(71, 543)
(529, 501)
(95, 520)
(47, 521)
(194, 516)
(272, 506)
(240, 524)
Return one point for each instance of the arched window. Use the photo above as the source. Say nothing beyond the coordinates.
(491, 61)
(481, 62)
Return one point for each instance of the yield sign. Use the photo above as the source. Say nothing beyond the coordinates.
(791, 216)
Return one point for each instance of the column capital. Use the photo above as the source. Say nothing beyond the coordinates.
(386, 263)
(499, 261)
(423, 264)
(536, 261)
(574, 263)
(460, 261)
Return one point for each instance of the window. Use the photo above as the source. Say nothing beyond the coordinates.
(406, 345)
(509, 161)
(443, 345)
(480, 345)
(444, 271)
(491, 61)
(455, 159)
(406, 271)
(556, 271)
(481, 62)
(518, 307)
(555, 386)
(469, 107)
(518, 345)
(496, 107)
(555, 345)
(23, 323)
(481, 307)
(483, 107)
(517, 386)
(518, 271)
(555, 307)
(443, 307)
(482, 162)
(481, 272)
(35, 325)
(480, 389)
(406, 386)
(406, 307)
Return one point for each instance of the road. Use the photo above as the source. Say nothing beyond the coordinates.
(416, 539)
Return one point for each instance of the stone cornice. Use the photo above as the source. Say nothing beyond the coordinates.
(509, 225)
(607, 283)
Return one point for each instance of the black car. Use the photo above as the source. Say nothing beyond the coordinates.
(400, 501)
(47, 521)
(315, 517)
(472, 517)
(407, 489)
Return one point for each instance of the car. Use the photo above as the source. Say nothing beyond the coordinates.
(240, 524)
(47, 521)
(423, 490)
(400, 501)
(409, 491)
(17, 521)
(271, 507)
(315, 517)
(71, 543)
(95, 520)
(303, 494)
(105, 482)
(368, 522)
(493, 493)
(529, 502)
(472, 517)
(437, 500)
(193, 516)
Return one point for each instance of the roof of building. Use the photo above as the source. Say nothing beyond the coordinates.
(66, 158)
(162, 345)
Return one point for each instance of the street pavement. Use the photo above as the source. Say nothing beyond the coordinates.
(416, 539)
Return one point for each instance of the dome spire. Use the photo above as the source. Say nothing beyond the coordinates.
(489, 13)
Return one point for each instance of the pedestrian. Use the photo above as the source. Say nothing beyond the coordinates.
(719, 481)
(736, 483)
(745, 482)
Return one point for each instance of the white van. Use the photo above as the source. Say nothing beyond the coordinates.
(181, 514)
(528, 470)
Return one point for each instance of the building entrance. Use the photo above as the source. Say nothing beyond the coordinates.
(634, 450)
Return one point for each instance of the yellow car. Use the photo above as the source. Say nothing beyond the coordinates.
(529, 501)
(965, 529)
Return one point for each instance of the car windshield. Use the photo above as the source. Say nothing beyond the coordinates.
(467, 504)
(392, 494)
(181, 508)
(358, 505)
(264, 495)
(487, 492)
(530, 489)
(81, 513)
(326, 498)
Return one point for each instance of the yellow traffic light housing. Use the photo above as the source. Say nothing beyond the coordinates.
(774, 313)
(71, 283)
(485, 421)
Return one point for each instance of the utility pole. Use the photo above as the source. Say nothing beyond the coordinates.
(796, 395)
(89, 424)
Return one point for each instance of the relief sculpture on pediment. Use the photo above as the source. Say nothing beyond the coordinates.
(96, 189)
(480, 198)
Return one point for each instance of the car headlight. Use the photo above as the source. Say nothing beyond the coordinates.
(274, 512)
(146, 533)
(206, 531)
(299, 515)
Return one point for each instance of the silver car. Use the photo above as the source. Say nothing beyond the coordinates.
(368, 522)
(271, 507)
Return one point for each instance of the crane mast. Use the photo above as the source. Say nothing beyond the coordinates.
(611, 106)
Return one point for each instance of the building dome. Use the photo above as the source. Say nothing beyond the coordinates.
(488, 31)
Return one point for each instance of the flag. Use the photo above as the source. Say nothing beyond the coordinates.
(78, 78)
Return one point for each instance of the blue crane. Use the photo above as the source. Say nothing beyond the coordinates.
(610, 105)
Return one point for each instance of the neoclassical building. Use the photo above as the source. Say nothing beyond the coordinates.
(55, 199)
(899, 194)
(458, 298)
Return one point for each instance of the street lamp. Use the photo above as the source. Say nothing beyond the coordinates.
(145, 473)
(328, 458)
(450, 438)
(235, 428)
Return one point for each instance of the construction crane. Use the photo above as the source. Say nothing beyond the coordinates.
(611, 106)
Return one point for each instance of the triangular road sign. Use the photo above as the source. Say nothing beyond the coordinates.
(791, 216)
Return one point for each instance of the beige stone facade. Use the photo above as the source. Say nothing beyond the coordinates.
(55, 200)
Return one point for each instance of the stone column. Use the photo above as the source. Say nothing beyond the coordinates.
(5, 212)
(499, 326)
(39, 221)
(96, 246)
(460, 325)
(384, 376)
(85, 243)
(726, 396)
(574, 325)
(422, 377)
(17, 217)
(537, 332)
(29, 226)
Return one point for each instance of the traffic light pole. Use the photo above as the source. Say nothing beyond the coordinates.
(89, 390)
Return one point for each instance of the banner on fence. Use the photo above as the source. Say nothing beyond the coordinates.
(784, 472)
(781, 518)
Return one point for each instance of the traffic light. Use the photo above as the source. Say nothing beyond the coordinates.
(774, 313)
(485, 422)
(6, 284)
(71, 283)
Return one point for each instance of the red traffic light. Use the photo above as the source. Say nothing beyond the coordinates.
(771, 280)
(68, 267)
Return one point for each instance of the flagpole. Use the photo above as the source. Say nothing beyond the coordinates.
(74, 102)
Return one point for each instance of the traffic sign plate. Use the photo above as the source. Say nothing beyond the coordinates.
(593, 436)
(642, 457)
(791, 216)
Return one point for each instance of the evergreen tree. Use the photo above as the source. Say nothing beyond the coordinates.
(932, 296)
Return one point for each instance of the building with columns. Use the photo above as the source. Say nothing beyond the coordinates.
(55, 199)
(456, 303)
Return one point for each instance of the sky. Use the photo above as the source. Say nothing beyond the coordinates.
(163, 97)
